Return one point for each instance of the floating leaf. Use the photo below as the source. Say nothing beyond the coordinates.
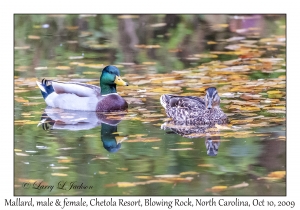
(185, 143)
(31, 181)
(206, 165)
(222, 127)
(21, 154)
(244, 184)
(277, 174)
(126, 184)
(17, 150)
(274, 176)
(249, 96)
(275, 94)
(123, 169)
(63, 67)
(188, 173)
(34, 37)
(58, 174)
(250, 108)
(244, 121)
(61, 167)
(282, 138)
(143, 177)
(217, 188)
(20, 100)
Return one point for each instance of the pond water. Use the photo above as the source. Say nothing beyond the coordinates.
(140, 152)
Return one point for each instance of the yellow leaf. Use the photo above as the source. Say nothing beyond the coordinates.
(33, 37)
(185, 143)
(149, 63)
(58, 174)
(218, 188)
(250, 108)
(64, 161)
(20, 100)
(120, 139)
(143, 177)
(126, 184)
(277, 174)
(157, 181)
(18, 122)
(90, 135)
(222, 127)
(275, 94)
(31, 181)
(117, 132)
(206, 165)
(102, 172)
(206, 55)
(245, 121)
(21, 91)
(63, 67)
(188, 173)
(26, 113)
(211, 42)
(33, 103)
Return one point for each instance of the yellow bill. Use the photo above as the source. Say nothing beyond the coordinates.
(119, 81)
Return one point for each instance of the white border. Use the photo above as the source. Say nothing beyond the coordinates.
(154, 6)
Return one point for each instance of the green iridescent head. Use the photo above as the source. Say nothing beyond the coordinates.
(109, 78)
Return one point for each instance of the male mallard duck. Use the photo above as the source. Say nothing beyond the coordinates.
(194, 110)
(86, 97)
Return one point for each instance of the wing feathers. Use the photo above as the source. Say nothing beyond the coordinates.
(79, 89)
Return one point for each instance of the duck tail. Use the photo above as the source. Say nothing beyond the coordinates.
(45, 87)
(46, 122)
(164, 100)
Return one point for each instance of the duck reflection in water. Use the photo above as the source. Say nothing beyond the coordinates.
(210, 132)
(58, 119)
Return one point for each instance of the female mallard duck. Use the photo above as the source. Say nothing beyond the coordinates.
(194, 110)
(86, 97)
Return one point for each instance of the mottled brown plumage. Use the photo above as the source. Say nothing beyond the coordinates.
(193, 110)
